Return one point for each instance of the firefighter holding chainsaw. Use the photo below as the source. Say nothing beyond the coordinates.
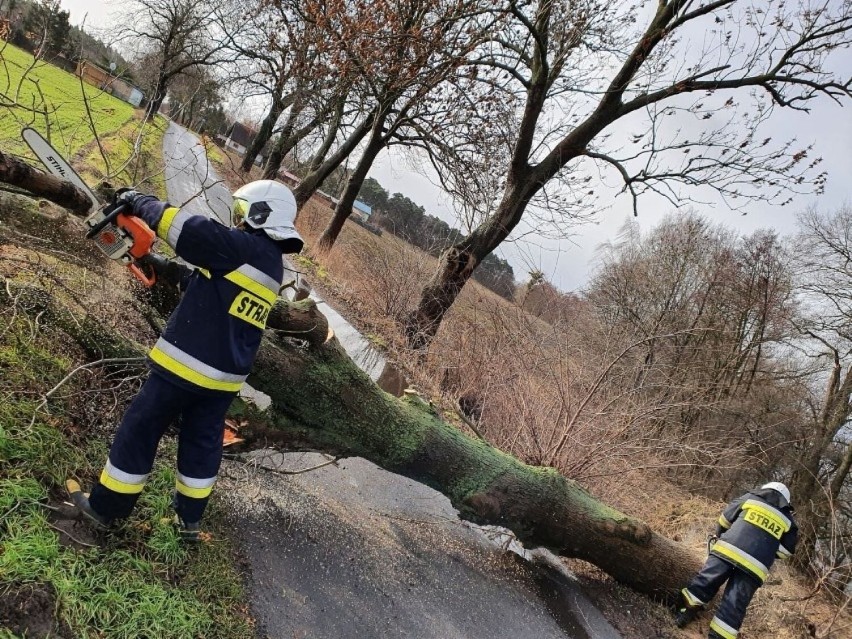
(206, 351)
(752, 532)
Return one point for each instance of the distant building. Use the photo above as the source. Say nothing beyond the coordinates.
(290, 179)
(237, 137)
(106, 81)
(363, 210)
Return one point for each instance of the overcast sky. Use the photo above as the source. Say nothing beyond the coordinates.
(569, 262)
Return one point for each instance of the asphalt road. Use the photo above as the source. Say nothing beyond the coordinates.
(190, 180)
(352, 551)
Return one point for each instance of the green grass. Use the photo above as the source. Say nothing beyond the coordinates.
(39, 86)
(143, 581)
(132, 156)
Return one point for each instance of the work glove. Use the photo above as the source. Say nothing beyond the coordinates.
(125, 197)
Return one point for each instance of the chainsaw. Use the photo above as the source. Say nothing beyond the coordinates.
(123, 238)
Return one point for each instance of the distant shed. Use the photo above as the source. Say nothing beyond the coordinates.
(106, 81)
(364, 209)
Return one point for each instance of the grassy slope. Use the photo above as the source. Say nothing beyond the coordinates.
(39, 85)
(141, 582)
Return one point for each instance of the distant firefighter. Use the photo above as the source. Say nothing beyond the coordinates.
(752, 531)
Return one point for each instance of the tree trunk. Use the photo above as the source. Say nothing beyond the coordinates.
(22, 175)
(813, 499)
(321, 401)
(266, 128)
(458, 262)
(310, 184)
(279, 152)
(328, 140)
(157, 99)
(353, 186)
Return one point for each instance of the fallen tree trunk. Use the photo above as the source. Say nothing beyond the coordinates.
(321, 401)
(43, 185)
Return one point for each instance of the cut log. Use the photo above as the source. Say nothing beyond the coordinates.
(43, 185)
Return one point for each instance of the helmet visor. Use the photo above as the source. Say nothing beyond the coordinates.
(239, 211)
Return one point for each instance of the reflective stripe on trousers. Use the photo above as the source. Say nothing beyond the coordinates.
(741, 558)
(740, 587)
(193, 370)
(194, 487)
(722, 629)
(159, 404)
(122, 482)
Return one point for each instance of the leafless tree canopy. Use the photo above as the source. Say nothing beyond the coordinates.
(173, 36)
(693, 81)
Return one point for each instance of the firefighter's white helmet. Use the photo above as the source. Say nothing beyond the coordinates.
(778, 487)
(268, 206)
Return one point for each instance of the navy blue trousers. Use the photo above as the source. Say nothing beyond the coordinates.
(735, 600)
(131, 457)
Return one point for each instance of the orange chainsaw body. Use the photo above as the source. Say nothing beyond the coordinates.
(125, 238)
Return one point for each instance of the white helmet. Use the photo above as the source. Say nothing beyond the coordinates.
(778, 487)
(266, 205)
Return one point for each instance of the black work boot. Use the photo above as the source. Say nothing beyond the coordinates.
(81, 503)
(684, 615)
(190, 533)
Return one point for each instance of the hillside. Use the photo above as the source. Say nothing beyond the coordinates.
(58, 104)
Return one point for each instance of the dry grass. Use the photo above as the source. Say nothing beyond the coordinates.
(528, 377)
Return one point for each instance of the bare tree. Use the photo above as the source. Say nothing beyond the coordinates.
(822, 459)
(173, 36)
(276, 58)
(195, 95)
(327, 110)
(398, 54)
(571, 70)
(708, 311)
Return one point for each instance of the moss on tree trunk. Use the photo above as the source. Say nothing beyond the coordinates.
(322, 401)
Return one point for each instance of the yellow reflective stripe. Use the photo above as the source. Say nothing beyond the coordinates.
(741, 558)
(251, 309)
(185, 372)
(723, 522)
(244, 281)
(194, 493)
(120, 486)
(783, 553)
(723, 629)
(691, 599)
(205, 272)
(166, 222)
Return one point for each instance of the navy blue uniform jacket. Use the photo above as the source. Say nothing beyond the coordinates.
(212, 337)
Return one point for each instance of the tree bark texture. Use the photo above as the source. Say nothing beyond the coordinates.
(44, 185)
(353, 186)
(322, 401)
(458, 263)
(330, 136)
(280, 150)
(159, 94)
(311, 183)
(266, 128)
